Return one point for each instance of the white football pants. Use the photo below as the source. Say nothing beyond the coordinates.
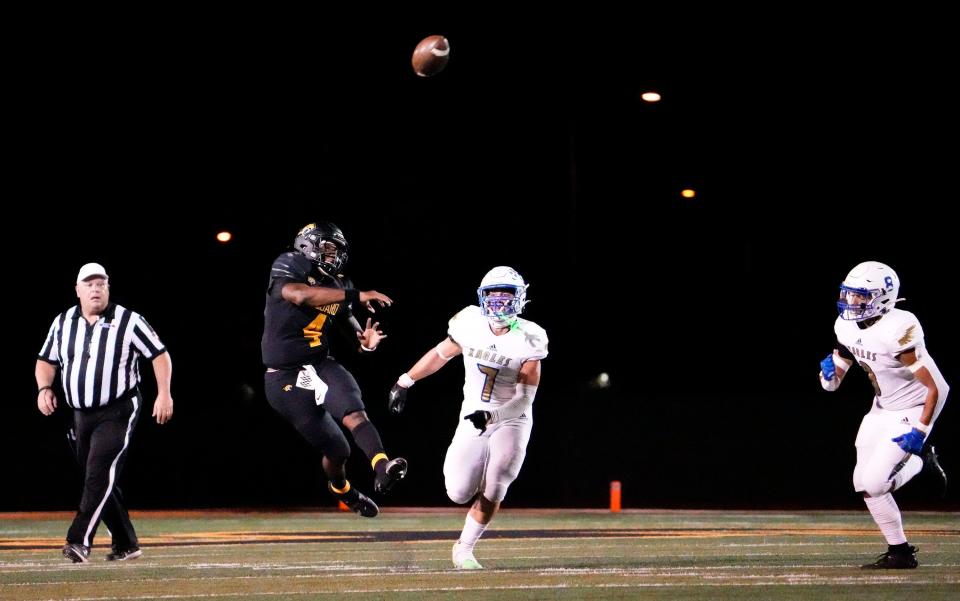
(487, 462)
(879, 459)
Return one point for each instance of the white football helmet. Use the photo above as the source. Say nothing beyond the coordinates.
(502, 310)
(869, 290)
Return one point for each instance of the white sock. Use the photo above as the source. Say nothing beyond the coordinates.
(910, 469)
(887, 516)
(472, 531)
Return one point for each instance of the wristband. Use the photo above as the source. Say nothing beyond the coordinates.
(405, 380)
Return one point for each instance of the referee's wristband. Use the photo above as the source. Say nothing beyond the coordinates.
(42, 388)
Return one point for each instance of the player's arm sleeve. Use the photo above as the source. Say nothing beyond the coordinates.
(349, 327)
(348, 306)
(522, 400)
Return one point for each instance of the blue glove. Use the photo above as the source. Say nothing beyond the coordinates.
(911, 442)
(828, 368)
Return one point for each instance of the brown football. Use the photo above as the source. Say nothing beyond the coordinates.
(431, 55)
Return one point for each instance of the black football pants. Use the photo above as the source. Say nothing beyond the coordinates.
(102, 439)
(312, 421)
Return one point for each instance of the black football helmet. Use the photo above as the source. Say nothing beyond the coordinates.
(323, 243)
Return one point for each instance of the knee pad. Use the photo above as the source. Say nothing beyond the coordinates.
(503, 470)
(875, 485)
(337, 450)
(497, 491)
(858, 479)
(496, 487)
(460, 496)
(460, 486)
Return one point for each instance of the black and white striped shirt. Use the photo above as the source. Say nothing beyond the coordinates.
(99, 362)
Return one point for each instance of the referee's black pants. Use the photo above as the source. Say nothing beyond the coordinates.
(103, 437)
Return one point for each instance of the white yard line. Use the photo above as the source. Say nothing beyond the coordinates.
(709, 572)
(479, 588)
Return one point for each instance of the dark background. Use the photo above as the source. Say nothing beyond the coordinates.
(812, 146)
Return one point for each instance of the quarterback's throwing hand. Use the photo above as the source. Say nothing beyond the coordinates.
(398, 398)
(368, 297)
(827, 368)
(479, 420)
(911, 442)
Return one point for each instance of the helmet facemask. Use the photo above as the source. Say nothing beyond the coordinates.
(869, 290)
(331, 257)
(502, 295)
(858, 304)
(501, 304)
(325, 245)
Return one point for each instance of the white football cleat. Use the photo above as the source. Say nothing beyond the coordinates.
(463, 558)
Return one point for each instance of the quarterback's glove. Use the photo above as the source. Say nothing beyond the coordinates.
(827, 368)
(398, 398)
(479, 420)
(911, 442)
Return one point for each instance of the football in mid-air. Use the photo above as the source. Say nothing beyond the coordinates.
(431, 55)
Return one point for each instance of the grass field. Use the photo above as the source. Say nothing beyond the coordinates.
(527, 554)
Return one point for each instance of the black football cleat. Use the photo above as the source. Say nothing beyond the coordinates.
(395, 471)
(124, 555)
(931, 464)
(357, 501)
(76, 553)
(892, 560)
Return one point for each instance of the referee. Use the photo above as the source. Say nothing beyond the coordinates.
(96, 345)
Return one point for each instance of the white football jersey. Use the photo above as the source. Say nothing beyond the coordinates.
(492, 363)
(876, 348)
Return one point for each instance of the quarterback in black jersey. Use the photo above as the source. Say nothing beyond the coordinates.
(305, 295)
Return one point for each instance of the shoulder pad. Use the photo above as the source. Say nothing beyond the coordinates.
(535, 336)
(291, 266)
(907, 332)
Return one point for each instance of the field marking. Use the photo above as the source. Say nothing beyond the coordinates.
(414, 536)
(490, 546)
(367, 591)
(351, 571)
(492, 553)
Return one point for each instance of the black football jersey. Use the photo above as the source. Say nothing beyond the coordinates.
(296, 335)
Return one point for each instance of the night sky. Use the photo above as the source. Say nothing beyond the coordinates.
(810, 148)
